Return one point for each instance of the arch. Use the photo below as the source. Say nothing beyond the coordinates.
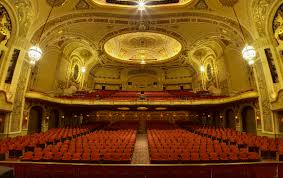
(35, 119)
(248, 119)
(229, 121)
(53, 121)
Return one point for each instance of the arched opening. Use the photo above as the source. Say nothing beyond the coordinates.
(53, 119)
(230, 119)
(248, 120)
(35, 120)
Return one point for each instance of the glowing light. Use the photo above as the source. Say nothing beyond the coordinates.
(251, 62)
(34, 53)
(32, 62)
(83, 69)
(249, 53)
(141, 5)
(202, 69)
(143, 62)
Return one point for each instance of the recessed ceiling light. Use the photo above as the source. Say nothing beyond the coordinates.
(142, 108)
(160, 109)
(124, 108)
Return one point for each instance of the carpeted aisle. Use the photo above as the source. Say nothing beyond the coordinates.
(141, 154)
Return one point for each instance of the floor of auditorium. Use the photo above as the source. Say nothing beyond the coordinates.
(141, 155)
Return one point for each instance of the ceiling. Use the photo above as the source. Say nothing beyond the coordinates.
(142, 47)
(120, 35)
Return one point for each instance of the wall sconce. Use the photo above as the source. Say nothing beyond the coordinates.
(63, 117)
(257, 118)
(221, 117)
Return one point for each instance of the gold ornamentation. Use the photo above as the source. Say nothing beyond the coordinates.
(142, 46)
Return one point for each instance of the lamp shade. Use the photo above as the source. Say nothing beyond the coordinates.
(249, 53)
(34, 53)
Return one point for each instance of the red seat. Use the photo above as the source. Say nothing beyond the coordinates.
(27, 156)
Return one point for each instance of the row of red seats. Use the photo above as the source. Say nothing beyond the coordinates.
(186, 143)
(96, 146)
(19, 143)
(240, 138)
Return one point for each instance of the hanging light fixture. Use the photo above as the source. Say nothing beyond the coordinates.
(248, 52)
(35, 52)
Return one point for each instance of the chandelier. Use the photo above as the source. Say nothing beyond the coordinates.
(248, 52)
(35, 52)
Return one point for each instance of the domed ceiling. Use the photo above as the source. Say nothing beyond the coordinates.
(143, 47)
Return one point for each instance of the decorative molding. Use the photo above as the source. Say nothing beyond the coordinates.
(201, 5)
(83, 4)
(19, 98)
(91, 102)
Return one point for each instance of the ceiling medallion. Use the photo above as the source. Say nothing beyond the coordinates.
(55, 2)
(142, 47)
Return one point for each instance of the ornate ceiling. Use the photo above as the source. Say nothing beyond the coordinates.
(143, 47)
(104, 2)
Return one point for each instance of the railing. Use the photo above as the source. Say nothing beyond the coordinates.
(70, 101)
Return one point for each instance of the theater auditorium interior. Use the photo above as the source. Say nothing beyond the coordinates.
(141, 88)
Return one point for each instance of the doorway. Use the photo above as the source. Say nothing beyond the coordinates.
(35, 120)
(248, 120)
(53, 120)
(230, 119)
